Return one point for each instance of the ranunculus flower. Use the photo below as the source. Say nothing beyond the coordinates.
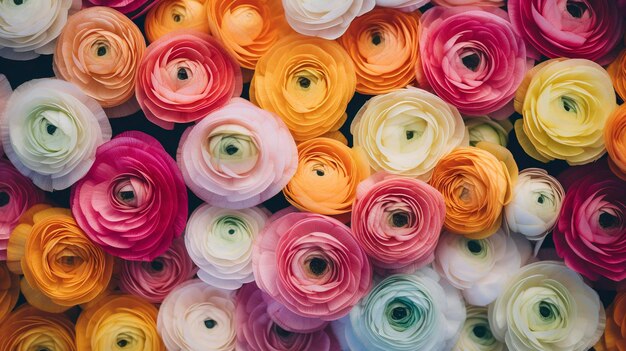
(9, 290)
(308, 82)
(170, 15)
(483, 128)
(118, 322)
(184, 76)
(247, 28)
(131, 8)
(614, 337)
(617, 71)
(311, 264)
(327, 19)
(590, 234)
(405, 312)
(99, 51)
(383, 45)
(484, 3)
(5, 93)
(403, 5)
(472, 58)
(476, 184)
(28, 328)
(154, 280)
(17, 194)
(546, 306)
(327, 176)
(615, 140)
(407, 131)
(480, 267)
(220, 241)
(61, 266)
(476, 334)
(133, 201)
(29, 28)
(397, 221)
(198, 317)
(588, 29)
(50, 131)
(238, 156)
(536, 204)
(565, 104)
(258, 331)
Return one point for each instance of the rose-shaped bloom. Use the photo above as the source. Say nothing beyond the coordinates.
(311, 264)
(133, 201)
(61, 266)
(403, 5)
(614, 337)
(405, 312)
(471, 57)
(615, 140)
(383, 45)
(238, 156)
(5, 93)
(170, 15)
(28, 329)
(247, 28)
(483, 128)
(184, 76)
(17, 194)
(29, 28)
(480, 267)
(220, 241)
(119, 322)
(590, 233)
(327, 176)
(99, 51)
(258, 331)
(407, 131)
(131, 8)
(588, 29)
(154, 280)
(565, 104)
(617, 71)
(9, 290)
(476, 184)
(308, 82)
(476, 334)
(536, 204)
(198, 317)
(50, 131)
(546, 306)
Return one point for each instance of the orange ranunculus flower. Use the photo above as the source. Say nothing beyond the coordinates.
(170, 15)
(247, 28)
(28, 328)
(9, 290)
(617, 71)
(615, 140)
(122, 322)
(476, 183)
(308, 82)
(99, 51)
(327, 177)
(383, 45)
(614, 337)
(61, 266)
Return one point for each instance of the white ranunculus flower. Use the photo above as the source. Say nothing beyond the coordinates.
(328, 19)
(486, 129)
(547, 306)
(476, 334)
(50, 131)
(29, 28)
(403, 5)
(219, 241)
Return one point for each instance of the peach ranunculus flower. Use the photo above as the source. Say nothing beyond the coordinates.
(170, 15)
(614, 337)
(617, 71)
(476, 183)
(308, 82)
(9, 290)
(61, 266)
(383, 45)
(28, 328)
(615, 140)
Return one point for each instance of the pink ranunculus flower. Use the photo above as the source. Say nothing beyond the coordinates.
(589, 29)
(184, 76)
(590, 234)
(258, 331)
(17, 194)
(238, 156)
(131, 8)
(133, 200)
(156, 279)
(397, 221)
(472, 58)
(311, 264)
(485, 3)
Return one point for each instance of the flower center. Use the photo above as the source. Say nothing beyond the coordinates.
(376, 38)
(569, 104)
(157, 265)
(319, 172)
(398, 313)
(318, 266)
(304, 82)
(399, 219)
(128, 195)
(281, 332)
(471, 61)
(231, 149)
(4, 198)
(177, 18)
(102, 50)
(122, 343)
(182, 74)
(540, 199)
(231, 231)
(51, 128)
(410, 134)
(576, 9)
(474, 246)
(545, 311)
(607, 220)
(210, 324)
(18, 2)
(480, 331)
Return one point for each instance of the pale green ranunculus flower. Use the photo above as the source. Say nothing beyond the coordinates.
(476, 334)
(486, 129)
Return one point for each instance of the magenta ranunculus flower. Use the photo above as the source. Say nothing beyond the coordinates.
(590, 234)
(17, 194)
(589, 29)
(311, 264)
(258, 331)
(131, 8)
(397, 221)
(472, 58)
(133, 201)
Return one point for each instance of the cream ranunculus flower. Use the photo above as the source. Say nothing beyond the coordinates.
(407, 131)
(486, 129)
(476, 334)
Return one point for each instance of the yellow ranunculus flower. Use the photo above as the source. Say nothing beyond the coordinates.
(170, 15)
(28, 329)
